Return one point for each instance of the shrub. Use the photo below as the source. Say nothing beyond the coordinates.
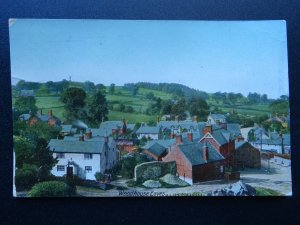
(52, 189)
(26, 177)
(99, 176)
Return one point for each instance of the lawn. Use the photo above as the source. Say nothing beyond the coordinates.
(131, 117)
(89, 189)
(260, 191)
(50, 102)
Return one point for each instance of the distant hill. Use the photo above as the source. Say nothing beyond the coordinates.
(15, 80)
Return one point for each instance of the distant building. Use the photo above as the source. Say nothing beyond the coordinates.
(148, 132)
(26, 93)
(195, 161)
(216, 118)
(83, 155)
(49, 118)
(280, 144)
(246, 156)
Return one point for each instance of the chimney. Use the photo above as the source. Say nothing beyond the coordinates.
(178, 139)
(81, 137)
(88, 134)
(106, 139)
(195, 119)
(177, 119)
(223, 126)
(50, 112)
(190, 136)
(207, 129)
(205, 152)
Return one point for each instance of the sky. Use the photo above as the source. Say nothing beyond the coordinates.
(212, 56)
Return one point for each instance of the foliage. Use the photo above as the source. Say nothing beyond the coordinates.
(26, 104)
(26, 177)
(51, 189)
(99, 176)
(260, 191)
(24, 152)
(111, 89)
(279, 106)
(179, 108)
(43, 159)
(128, 164)
(74, 100)
(198, 107)
(97, 108)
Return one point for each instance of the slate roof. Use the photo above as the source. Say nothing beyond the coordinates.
(234, 128)
(239, 144)
(24, 117)
(27, 93)
(165, 143)
(72, 146)
(218, 116)
(222, 136)
(174, 124)
(194, 153)
(66, 128)
(109, 125)
(148, 130)
(157, 149)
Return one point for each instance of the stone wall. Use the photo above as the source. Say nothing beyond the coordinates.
(153, 170)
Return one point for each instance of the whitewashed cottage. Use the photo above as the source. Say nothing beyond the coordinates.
(84, 155)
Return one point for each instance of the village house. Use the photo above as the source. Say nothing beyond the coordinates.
(148, 132)
(280, 144)
(216, 118)
(221, 140)
(246, 156)
(49, 118)
(83, 155)
(114, 127)
(26, 93)
(195, 161)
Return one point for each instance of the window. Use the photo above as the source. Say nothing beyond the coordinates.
(88, 169)
(60, 168)
(88, 156)
(60, 155)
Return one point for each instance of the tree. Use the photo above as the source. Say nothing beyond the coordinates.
(24, 152)
(149, 96)
(26, 177)
(43, 159)
(135, 90)
(167, 107)
(26, 104)
(89, 87)
(112, 88)
(198, 107)
(97, 108)
(74, 100)
(179, 108)
(279, 106)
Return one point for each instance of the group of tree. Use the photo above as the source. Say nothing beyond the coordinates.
(79, 105)
(57, 87)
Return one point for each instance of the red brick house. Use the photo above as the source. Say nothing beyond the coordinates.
(221, 140)
(246, 155)
(48, 118)
(195, 161)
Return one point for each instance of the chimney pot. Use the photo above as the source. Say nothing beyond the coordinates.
(178, 139)
(190, 136)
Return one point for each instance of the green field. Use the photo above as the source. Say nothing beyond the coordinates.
(50, 102)
(131, 117)
(140, 104)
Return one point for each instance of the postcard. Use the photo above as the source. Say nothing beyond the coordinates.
(150, 108)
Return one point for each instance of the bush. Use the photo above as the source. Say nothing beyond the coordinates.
(52, 189)
(99, 176)
(26, 177)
